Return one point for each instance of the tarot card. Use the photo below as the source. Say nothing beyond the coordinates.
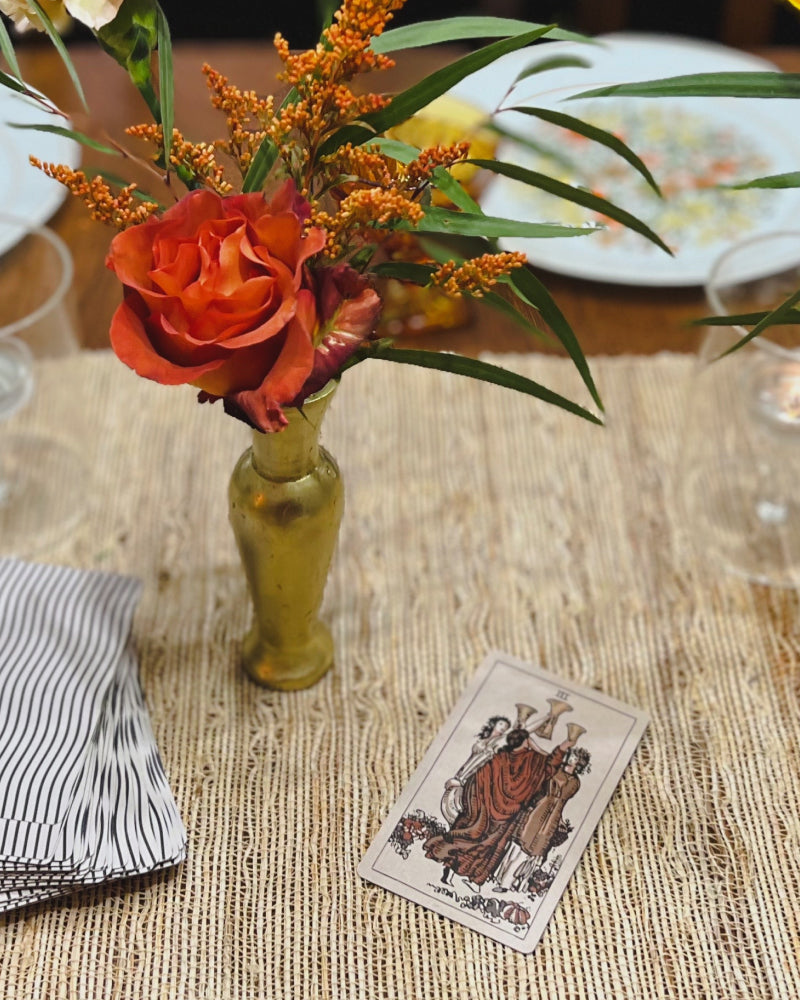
(494, 821)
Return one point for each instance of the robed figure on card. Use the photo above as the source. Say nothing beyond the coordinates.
(493, 797)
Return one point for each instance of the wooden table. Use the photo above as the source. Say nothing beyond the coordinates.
(609, 319)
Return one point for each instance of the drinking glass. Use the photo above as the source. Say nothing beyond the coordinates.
(741, 481)
(42, 478)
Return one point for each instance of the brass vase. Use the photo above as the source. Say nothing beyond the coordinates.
(285, 505)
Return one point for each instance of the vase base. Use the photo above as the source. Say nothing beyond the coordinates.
(288, 668)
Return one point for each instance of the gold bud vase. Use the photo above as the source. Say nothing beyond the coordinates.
(285, 505)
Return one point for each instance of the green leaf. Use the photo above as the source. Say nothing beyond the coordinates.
(55, 38)
(418, 96)
(260, 166)
(458, 29)
(481, 370)
(130, 40)
(531, 290)
(790, 180)
(575, 194)
(745, 319)
(404, 270)
(7, 48)
(451, 189)
(502, 305)
(552, 62)
(400, 151)
(593, 133)
(442, 220)
(166, 84)
(68, 133)
(15, 85)
(556, 155)
(360, 260)
(732, 84)
(782, 314)
(443, 247)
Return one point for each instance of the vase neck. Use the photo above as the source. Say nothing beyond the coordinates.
(293, 452)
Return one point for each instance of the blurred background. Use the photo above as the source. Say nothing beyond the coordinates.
(735, 22)
(742, 23)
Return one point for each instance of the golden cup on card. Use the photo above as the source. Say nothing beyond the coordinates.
(574, 732)
(557, 708)
(524, 712)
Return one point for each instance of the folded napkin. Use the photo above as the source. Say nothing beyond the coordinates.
(83, 794)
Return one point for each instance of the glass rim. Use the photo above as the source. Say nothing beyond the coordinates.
(67, 271)
(762, 342)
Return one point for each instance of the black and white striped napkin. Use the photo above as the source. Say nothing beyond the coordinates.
(83, 794)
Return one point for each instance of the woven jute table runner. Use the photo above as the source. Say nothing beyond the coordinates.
(475, 519)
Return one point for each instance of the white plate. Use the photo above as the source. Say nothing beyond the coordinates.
(690, 145)
(26, 192)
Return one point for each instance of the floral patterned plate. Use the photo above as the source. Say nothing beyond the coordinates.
(692, 146)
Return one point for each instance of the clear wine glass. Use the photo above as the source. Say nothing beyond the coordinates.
(42, 479)
(741, 487)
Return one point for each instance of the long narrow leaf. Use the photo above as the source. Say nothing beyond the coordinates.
(166, 84)
(733, 84)
(55, 38)
(551, 63)
(539, 148)
(260, 166)
(531, 290)
(405, 270)
(67, 133)
(440, 81)
(13, 84)
(481, 370)
(595, 134)
(578, 195)
(745, 319)
(502, 305)
(7, 48)
(780, 315)
(400, 151)
(443, 247)
(418, 96)
(442, 220)
(451, 189)
(790, 180)
(460, 29)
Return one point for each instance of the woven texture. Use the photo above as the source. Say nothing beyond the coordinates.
(475, 519)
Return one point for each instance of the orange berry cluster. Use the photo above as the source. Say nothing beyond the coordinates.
(478, 275)
(249, 118)
(120, 210)
(196, 158)
(358, 215)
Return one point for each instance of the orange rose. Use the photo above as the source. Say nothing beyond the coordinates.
(217, 295)
(347, 308)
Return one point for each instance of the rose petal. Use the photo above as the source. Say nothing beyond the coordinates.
(132, 345)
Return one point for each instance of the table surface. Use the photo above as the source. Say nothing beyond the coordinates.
(609, 319)
(475, 519)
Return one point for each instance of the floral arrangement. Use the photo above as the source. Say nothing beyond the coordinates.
(251, 276)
